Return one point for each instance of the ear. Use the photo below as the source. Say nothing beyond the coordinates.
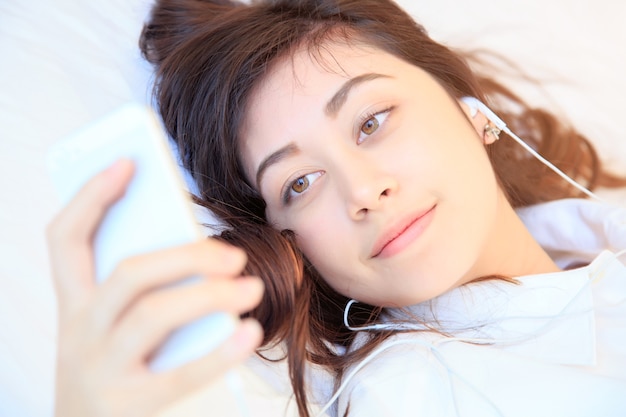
(479, 121)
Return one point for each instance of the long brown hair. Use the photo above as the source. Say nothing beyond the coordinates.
(210, 55)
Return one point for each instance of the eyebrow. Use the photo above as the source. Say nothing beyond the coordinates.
(273, 158)
(332, 108)
(338, 100)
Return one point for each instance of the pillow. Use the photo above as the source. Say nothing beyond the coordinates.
(66, 63)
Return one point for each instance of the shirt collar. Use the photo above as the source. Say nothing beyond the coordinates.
(575, 230)
(544, 311)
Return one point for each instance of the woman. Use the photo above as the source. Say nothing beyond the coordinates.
(334, 133)
(342, 119)
(341, 124)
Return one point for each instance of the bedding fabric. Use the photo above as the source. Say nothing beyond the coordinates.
(66, 63)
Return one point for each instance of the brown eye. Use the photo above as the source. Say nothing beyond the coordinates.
(370, 126)
(300, 185)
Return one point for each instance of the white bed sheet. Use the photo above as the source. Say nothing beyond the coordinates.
(65, 63)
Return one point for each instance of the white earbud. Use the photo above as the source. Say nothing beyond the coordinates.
(476, 105)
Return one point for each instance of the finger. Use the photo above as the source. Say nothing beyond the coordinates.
(190, 377)
(146, 326)
(143, 273)
(70, 234)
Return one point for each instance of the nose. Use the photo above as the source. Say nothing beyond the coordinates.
(365, 187)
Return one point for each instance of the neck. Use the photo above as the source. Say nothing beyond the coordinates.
(512, 251)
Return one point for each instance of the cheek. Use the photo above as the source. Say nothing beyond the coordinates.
(313, 239)
(323, 239)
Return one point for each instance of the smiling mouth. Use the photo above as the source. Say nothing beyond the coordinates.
(399, 238)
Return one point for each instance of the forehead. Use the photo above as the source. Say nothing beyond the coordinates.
(310, 72)
(290, 101)
(311, 75)
(302, 83)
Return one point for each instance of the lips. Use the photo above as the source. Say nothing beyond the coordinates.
(402, 233)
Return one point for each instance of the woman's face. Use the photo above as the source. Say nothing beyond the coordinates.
(377, 170)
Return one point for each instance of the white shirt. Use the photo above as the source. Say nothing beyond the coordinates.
(553, 346)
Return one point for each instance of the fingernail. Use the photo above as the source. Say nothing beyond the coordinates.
(250, 286)
(116, 168)
(246, 338)
(235, 255)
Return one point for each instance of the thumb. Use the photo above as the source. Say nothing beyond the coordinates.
(70, 235)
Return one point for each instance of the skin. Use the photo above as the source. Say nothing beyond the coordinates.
(397, 146)
(107, 331)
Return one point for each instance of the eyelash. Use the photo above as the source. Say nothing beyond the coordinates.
(368, 116)
(286, 193)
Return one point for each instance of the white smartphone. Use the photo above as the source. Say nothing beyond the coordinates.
(155, 213)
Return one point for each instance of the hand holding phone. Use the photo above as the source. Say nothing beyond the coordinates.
(107, 331)
(154, 213)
